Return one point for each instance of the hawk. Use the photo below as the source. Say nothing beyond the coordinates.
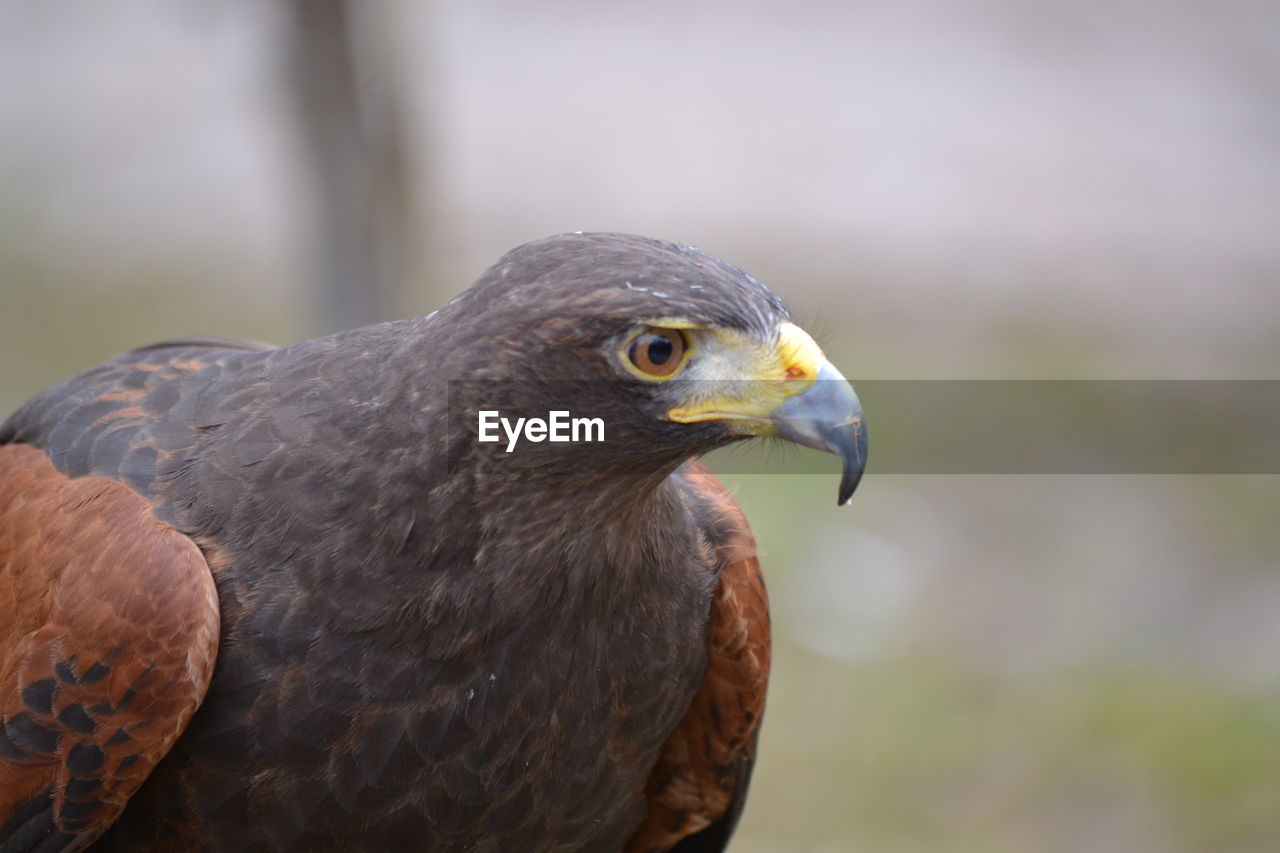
(283, 599)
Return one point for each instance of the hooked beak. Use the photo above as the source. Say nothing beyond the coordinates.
(813, 404)
(828, 417)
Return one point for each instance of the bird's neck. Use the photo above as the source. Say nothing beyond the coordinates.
(605, 548)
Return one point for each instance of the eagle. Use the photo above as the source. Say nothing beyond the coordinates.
(286, 599)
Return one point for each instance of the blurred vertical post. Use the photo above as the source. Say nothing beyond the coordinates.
(345, 82)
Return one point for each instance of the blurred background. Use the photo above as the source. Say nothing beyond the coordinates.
(991, 189)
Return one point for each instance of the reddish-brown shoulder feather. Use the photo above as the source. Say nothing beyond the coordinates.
(701, 777)
(108, 633)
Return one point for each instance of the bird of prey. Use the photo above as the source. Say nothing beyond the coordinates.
(285, 599)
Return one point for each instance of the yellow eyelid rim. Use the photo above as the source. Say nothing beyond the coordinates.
(681, 326)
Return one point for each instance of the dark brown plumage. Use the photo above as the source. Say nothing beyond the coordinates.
(422, 641)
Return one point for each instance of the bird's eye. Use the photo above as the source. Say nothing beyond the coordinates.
(657, 353)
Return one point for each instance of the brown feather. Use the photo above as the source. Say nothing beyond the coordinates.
(704, 768)
(108, 632)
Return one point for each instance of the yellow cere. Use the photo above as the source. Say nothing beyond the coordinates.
(753, 381)
(800, 354)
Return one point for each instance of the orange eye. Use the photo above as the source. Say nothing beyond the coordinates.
(657, 352)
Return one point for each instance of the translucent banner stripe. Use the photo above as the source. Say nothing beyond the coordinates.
(971, 426)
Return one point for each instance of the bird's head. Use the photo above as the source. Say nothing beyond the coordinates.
(676, 351)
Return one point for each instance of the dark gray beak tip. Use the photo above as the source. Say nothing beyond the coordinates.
(854, 456)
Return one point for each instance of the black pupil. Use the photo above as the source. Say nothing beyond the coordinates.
(660, 349)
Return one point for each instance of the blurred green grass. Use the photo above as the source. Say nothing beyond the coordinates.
(921, 744)
(922, 751)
